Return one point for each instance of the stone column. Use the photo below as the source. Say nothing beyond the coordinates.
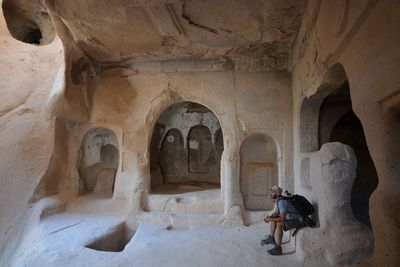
(231, 189)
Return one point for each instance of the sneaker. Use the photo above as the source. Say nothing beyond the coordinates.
(268, 241)
(277, 250)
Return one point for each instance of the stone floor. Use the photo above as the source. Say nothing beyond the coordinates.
(63, 240)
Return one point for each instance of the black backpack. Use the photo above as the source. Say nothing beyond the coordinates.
(303, 207)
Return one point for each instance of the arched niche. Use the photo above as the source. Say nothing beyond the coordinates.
(98, 162)
(28, 21)
(185, 149)
(258, 171)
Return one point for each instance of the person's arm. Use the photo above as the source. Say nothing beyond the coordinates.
(282, 210)
(280, 218)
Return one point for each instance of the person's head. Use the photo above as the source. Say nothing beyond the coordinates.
(275, 192)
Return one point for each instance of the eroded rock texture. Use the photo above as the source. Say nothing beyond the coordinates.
(115, 115)
(253, 35)
(29, 21)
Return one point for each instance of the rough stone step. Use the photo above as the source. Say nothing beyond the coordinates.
(182, 220)
(182, 203)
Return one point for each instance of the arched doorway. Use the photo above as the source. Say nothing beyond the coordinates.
(258, 171)
(98, 162)
(185, 150)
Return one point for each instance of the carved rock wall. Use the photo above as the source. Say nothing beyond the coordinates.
(31, 87)
(364, 45)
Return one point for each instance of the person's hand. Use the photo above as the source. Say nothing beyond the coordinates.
(267, 219)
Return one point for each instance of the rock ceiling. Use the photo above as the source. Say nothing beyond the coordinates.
(255, 32)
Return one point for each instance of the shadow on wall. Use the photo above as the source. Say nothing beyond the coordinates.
(98, 162)
(186, 149)
(258, 171)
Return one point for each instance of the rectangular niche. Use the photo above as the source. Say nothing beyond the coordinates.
(113, 241)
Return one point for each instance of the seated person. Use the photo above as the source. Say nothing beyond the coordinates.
(283, 211)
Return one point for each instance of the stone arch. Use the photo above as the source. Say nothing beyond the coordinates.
(28, 21)
(98, 161)
(258, 171)
(186, 128)
(168, 102)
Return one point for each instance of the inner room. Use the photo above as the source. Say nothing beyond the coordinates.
(185, 150)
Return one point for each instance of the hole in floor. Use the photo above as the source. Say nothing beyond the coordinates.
(114, 241)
